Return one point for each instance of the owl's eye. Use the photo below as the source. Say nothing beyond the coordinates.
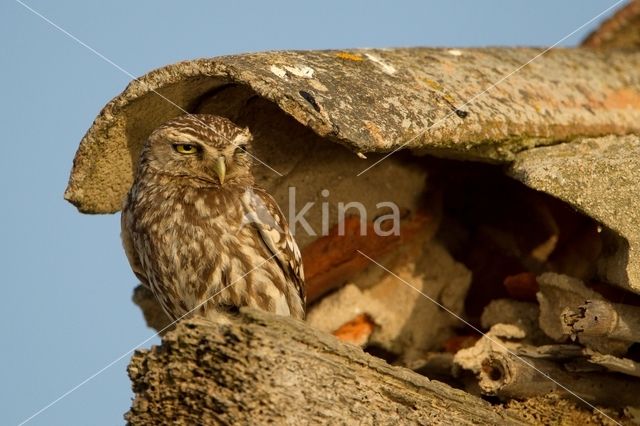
(185, 148)
(240, 149)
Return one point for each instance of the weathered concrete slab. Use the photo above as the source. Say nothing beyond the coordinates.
(600, 177)
(378, 100)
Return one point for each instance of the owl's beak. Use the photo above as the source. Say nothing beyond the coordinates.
(220, 168)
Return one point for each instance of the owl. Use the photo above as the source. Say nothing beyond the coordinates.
(199, 233)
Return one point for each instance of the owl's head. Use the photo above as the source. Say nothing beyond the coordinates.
(204, 147)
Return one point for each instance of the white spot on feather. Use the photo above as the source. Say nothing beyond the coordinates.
(277, 298)
(242, 137)
(282, 307)
(273, 235)
(201, 207)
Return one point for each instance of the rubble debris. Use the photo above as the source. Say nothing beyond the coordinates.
(435, 366)
(407, 322)
(507, 376)
(357, 331)
(458, 342)
(601, 178)
(524, 315)
(560, 294)
(613, 363)
(556, 293)
(600, 318)
(332, 260)
(342, 306)
(522, 286)
(506, 368)
(552, 409)
(496, 226)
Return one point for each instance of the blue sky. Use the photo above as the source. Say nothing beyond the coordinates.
(67, 286)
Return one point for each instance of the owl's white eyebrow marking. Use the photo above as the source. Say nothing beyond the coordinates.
(183, 137)
(241, 138)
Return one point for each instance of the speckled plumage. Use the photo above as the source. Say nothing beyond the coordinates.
(193, 233)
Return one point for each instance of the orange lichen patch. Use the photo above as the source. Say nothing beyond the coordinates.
(357, 331)
(349, 56)
(623, 98)
(331, 260)
(522, 286)
(455, 343)
(432, 84)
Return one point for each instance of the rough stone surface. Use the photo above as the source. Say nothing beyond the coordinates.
(257, 369)
(600, 177)
(378, 100)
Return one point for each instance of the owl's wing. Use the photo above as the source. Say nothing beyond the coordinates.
(130, 251)
(263, 213)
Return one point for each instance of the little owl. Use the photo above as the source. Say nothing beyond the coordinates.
(199, 234)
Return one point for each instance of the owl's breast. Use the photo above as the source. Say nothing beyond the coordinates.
(202, 246)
